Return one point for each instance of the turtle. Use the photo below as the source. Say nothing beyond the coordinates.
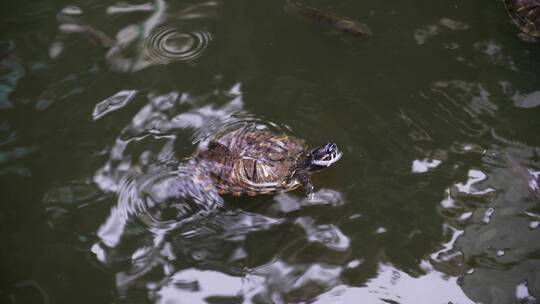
(327, 18)
(526, 15)
(250, 161)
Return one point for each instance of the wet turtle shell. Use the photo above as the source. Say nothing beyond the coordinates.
(251, 161)
(526, 15)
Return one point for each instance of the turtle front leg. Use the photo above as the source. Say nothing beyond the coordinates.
(305, 179)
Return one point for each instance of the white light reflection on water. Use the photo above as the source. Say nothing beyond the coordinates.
(421, 35)
(496, 54)
(487, 215)
(534, 219)
(533, 182)
(475, 176)
(122, 8)
(278, 281)
(266, 283)
(194, 286)
(424, 165)
(522, 293)
(495, 231)
(522, 100)
(328, 235)
(115, 102)
(448, 201)
(464, 216)
(392, 285)
(448, 246)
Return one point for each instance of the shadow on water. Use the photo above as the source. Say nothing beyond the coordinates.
(435, 199)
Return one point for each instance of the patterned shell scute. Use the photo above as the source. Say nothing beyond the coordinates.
(253, 162)
(526, 15)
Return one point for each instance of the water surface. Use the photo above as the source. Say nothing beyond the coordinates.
(434, 201)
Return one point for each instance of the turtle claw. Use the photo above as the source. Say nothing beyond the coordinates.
(324, 197)
(309, 192)
(526, 38)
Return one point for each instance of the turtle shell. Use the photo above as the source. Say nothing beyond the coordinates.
(251, 161)
(526, 15)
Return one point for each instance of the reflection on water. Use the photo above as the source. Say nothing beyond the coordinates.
(115, 102)
(168, 212)
(12, 71)
(489, 220)
(394, 286)
(104, 103)
(169, 44)
(422, 34)
(165, 36)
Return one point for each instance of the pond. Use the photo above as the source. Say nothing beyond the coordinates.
(435, 199)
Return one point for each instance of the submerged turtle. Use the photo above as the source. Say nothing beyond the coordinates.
(256, 161)
(327, 18)
(526, 15)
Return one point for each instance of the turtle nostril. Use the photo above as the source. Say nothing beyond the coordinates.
(332, 148)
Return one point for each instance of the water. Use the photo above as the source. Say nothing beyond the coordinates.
(434, 201)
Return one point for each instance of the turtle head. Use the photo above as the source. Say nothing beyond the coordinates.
(353, 27)
(323, 156)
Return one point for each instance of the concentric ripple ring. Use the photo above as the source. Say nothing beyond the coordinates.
(169, 44)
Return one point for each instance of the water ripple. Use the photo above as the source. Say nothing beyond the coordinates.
(169, 44)
(113, 103)
(240, 123)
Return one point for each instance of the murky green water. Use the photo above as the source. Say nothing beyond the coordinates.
(436, 199)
